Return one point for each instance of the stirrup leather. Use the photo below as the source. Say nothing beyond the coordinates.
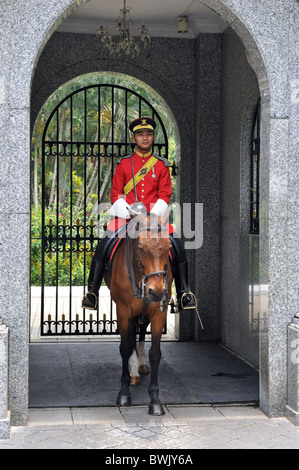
(96, 301)
(188, 307)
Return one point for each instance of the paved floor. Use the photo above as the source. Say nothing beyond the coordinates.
(88, 374)
(73, 387)
(189, 423)
(179, 432)
(210, 402)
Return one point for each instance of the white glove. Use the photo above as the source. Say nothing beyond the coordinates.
(119, 209)
(159, 208)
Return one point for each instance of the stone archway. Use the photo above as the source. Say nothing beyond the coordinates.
(252, 51)
(21, 52)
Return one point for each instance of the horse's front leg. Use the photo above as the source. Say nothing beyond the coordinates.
(127, 329)
(157, 325)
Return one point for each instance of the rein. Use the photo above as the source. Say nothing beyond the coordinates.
(139, 290)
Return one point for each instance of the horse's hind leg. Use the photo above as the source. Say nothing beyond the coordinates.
(127, 329)
(134, 368)
(141, 355)
(142, 369)
(137, 362)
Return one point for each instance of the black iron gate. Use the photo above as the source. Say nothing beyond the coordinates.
(83, 138)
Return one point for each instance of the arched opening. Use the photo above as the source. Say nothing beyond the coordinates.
(261, 76)
(79, 135)
(199, 169)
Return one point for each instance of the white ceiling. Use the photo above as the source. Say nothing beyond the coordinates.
(159, 15)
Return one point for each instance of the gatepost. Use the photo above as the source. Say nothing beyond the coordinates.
(4, 413)
(292, 408)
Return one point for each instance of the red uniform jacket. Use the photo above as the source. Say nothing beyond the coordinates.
(149, 189)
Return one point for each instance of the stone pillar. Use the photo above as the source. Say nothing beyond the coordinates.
(20, 48)
(4, 413)
(292, 408)
(206, 184)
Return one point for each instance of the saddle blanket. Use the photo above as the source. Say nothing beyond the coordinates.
(116, 223)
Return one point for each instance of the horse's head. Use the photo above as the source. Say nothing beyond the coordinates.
(153, 245)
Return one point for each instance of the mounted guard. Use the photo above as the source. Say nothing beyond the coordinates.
(141, 183)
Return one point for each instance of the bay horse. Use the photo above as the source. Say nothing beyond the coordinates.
(140, 286)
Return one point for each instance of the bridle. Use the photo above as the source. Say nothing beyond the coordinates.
(145, 277)
(140, 290)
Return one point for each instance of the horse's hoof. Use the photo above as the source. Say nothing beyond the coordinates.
(155, 409)
(123, 400)
(134, 380)
(143, 369)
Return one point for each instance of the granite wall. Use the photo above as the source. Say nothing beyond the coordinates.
(25, 29)
(167, 66)
(4, 411)
(207, 183)
(240, 96)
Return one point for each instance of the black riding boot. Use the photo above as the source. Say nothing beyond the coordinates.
(185, 298)
(96, 273)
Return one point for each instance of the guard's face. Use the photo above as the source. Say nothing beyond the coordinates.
(144, 140)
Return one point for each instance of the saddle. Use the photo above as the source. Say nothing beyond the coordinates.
(114, 245)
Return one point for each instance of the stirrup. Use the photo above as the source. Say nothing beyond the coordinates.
(187, 306)
(96, 301)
